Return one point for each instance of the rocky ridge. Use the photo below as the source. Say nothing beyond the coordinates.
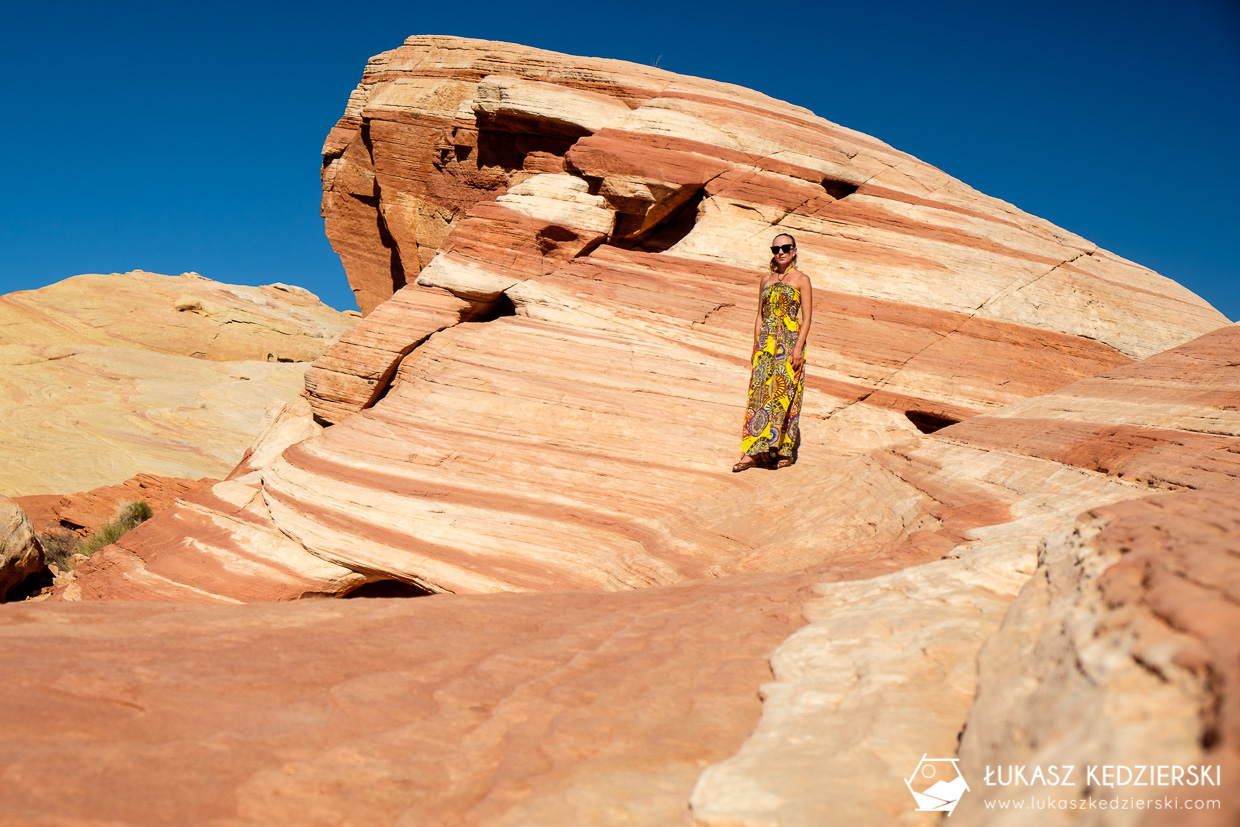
(105, 377)
(557, 256)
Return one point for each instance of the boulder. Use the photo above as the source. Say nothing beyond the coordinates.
(20, 553)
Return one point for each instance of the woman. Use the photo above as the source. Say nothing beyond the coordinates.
(785, 307)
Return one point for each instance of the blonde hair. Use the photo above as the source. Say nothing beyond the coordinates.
(775, 267)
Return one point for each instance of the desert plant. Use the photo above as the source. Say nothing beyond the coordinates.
(58, 547)
(128, 516)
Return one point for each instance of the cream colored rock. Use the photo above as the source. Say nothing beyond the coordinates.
(1068, 681)
(1100, 660)
(521, 105)
(560, 199)
(883, 674)
(283, 424)
(438, 96)
(885, 671)
(79, 417)
(103, 378)
(585, 442)
(573, 436)
(185, 315)
(872, 221)
(464, 279)
(20, 553)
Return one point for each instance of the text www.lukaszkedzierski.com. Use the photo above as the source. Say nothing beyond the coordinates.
(1040, 803)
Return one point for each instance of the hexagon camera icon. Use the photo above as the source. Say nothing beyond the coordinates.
(937, 784)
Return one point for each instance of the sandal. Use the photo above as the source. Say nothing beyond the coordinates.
(784, 462)
(745, 464)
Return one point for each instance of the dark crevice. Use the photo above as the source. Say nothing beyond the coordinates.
(395, 268)
(594, 184)
(928, 423)
(668, 232)
(552, 236)
(508, 150)
(497, 309)
(389, 588)
(32, 585)
(384, 383)
(590, 247)
(838, 189)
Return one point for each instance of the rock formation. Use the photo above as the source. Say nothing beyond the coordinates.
(1017, 478)
(1090, 639)
(558, 256)
(85, 512)
(103, 377)
(20, 554)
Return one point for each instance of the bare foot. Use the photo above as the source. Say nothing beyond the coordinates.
(745, 464)
(784, 462)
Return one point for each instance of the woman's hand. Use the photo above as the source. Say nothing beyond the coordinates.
(798, 357)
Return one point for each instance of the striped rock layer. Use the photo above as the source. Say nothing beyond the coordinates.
(558, 260)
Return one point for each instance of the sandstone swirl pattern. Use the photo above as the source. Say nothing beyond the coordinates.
(558, 260)
(550, 395)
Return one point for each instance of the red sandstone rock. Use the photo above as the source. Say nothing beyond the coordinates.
(1172, 420)
(552, 709)
(584, 441)
(88, 511)
(1121, 651)
(552, 402)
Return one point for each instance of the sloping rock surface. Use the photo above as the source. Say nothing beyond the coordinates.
(106, 377)
(559, 257)
(185, 315)
(558, 260)
(1103, 638)
(562, 709)
(85, 512)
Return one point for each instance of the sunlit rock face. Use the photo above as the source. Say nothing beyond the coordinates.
(1093, 628)
(1014, 491)
(559, 259)
(104, 377)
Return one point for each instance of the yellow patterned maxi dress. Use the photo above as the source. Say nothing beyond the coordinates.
(774, 410)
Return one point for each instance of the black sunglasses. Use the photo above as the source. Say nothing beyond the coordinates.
(776, 249)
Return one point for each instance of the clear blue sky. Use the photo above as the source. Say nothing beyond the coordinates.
(172, 137)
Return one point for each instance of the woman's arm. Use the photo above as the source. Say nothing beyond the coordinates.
(804, 317)
(757, 322)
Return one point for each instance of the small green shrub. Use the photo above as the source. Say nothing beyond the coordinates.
(128, 516)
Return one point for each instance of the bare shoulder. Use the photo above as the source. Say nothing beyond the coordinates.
(799, 280)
